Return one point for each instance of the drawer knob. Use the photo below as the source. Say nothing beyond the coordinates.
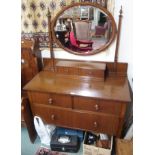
(90, 73)
(95, 124)
(53, 117)
(22, 107)
(96, 107)
(50, 101)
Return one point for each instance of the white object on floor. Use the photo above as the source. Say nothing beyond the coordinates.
(103, 136)
(41, 130)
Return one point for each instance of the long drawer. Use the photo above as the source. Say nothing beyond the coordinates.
(97, 105)
(51, 99)
(77, 119)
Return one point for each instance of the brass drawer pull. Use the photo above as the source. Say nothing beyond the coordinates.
(53, 117)
(90, 72)
(50, 101)
(96, 107)
(95, 124)
(22, 107)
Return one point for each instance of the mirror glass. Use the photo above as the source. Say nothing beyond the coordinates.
(84, 29)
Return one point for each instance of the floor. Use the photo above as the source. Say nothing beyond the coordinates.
(98, 42)
(27, 148)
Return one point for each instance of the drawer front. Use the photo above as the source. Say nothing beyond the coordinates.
(51, 99)
(109, 107)
(75, 119)
(91, 72)
(96, 122)
(53, 115)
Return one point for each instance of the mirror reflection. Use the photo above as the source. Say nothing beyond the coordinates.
(83, 28)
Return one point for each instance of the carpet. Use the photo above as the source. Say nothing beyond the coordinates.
(46, 151)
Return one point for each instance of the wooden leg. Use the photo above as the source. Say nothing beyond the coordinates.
(28, 119)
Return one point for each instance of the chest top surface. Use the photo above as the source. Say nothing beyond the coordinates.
(111, 89)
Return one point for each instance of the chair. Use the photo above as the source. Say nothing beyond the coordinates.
(82, 29)
(100, 30)
(77, 44)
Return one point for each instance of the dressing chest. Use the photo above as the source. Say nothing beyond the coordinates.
(77, 101)
(90, 96)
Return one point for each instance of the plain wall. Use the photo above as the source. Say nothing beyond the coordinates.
(126, 44)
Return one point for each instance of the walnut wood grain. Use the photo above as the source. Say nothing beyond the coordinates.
(77, 119)
(110, 89)
(110, 71)
(100, 104)
(103, 106)
(29, 62)
(50, 99)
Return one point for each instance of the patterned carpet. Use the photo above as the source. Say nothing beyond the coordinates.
(46, 151)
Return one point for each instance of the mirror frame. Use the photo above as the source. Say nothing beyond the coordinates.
(102, 48)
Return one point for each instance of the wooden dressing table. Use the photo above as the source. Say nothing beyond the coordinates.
(90, 96)
(81, 102)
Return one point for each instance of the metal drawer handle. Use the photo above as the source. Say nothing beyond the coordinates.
(50, 101)
(96, 107)
(95, 124)
(53, 117)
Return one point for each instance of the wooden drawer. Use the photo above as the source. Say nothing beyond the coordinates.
(53, 115)
(91, 72)
(51, 99)
(109, 107)
(101, 123)
(79, 120)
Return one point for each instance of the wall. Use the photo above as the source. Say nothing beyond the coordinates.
(125, 49)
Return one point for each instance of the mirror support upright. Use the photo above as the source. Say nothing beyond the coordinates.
(118, 40)
(50, 39)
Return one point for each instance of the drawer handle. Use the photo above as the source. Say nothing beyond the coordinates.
(50, 101)
(22, 107)
(53, 117)
(95, 124)
(90, 73)
(96, 107)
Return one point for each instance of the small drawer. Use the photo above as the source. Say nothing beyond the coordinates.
(53, 115)
(90, 104)
(51, 99)
(91, 72)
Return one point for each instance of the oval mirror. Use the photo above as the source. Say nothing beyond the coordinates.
(84, 28)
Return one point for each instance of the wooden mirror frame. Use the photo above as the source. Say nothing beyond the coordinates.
(102, 48)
